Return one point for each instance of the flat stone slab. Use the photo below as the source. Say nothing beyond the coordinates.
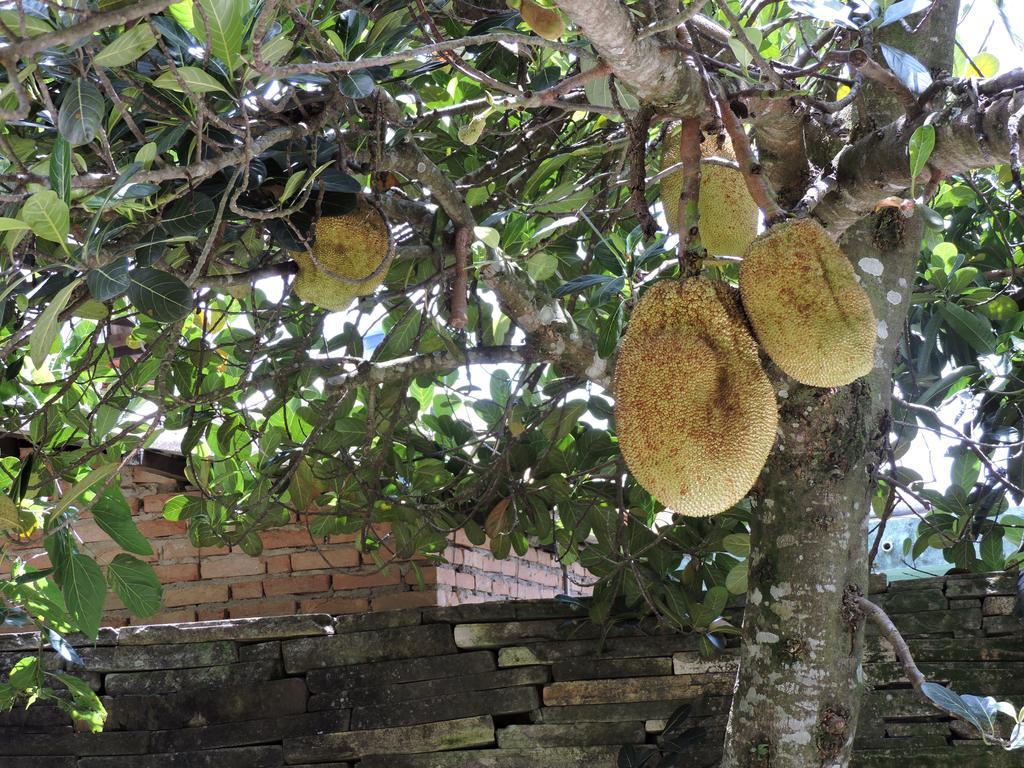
(692, 663)
(79, 744)
(173, 680)
(501, 701)
(246, 757)
(429, 737)
(611, 713)
(611, 648)
(239, 630)
(205, 706)
(596, 669)
(623, 691)
(557, 757)
(250, 732)
(403, 692)
(981, 585)
(367, 622)
(307, 653)
(570, 734)
(38, 762)
(150, 657)
(399, 671)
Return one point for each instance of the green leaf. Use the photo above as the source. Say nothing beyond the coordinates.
(922, 142)
(292, 185)
(136, 583)
(400, 338)
(85, 704)
(159, 294)
(114, 517)
(736, 579)
(182, 13)
(222, 22)
(126, 47)
(974, 329)
(48, 325)
(34, 25)
(8, 514)
(13, 225)
(108, 281)
(60, 169)
(84, 592)
(542, 265)
(195, 80)
(359, 85)
(25, 673)
(966, 468)
(737, 544)
(97, 475)
(81, 113)
(48, 216)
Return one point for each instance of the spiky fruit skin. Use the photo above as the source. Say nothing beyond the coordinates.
(352, 246)
(546, 22)
(806, 307)
(728, 214)
(695, 413)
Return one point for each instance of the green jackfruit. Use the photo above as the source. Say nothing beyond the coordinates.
(695, 413)
(806, 307)
(728, 214)
(350, 258)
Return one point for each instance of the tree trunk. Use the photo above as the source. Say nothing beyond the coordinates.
(799, 686)
(799, 683)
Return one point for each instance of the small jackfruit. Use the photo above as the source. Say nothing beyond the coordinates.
(806, 307)
(546, 22)
(350, 258)
(728, 214)
(695, 413)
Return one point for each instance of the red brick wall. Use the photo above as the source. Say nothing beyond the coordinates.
(295, 574)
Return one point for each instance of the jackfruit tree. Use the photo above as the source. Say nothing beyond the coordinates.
(446, 264)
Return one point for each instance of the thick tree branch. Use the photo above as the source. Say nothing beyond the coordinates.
(877, 166)
(662, 76)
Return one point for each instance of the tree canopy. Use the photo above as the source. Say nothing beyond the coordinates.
(161, 164)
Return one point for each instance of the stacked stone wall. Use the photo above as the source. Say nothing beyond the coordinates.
(523, 684)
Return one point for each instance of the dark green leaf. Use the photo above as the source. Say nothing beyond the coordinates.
(81, 113)
(60, 169)
(158, 294)
(109, 281)
(188, 217)
(356, 85)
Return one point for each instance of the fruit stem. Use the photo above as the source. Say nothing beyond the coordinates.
(760, 188)
(689, 195)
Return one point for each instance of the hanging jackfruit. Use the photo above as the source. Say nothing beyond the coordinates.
(356, 246)
(695, 413)
(728, 214)
(806, 307)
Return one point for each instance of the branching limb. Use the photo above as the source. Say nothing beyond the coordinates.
(876, 166)
(664, 77)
